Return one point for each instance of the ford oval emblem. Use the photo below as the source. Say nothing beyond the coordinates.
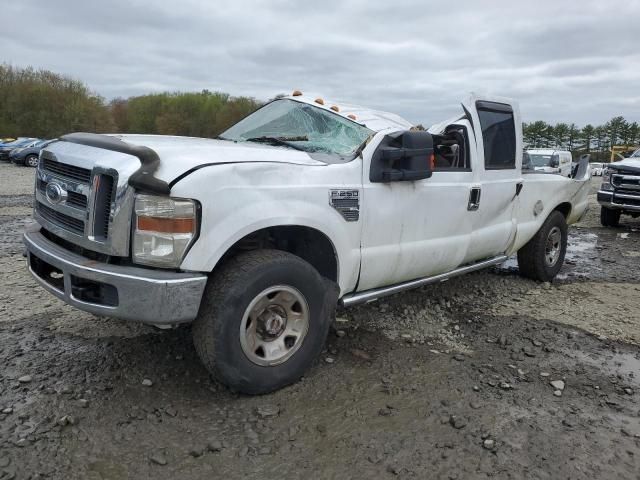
(55, 193)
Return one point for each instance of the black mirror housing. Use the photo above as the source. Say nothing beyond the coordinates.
(404, 156)
(555, 161)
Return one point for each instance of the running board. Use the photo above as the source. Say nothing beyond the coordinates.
(376, 293)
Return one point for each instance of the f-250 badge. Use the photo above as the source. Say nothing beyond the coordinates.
(347, 202)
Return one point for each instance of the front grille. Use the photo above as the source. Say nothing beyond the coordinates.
(626, 182)
(79, 174)
(89, 194)
(103, 205)
(623, 171)
(628, 192)
(60, 219)
(627, 201)
(77, 200)
(74, 199)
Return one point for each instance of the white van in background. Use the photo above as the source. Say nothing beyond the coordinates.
(550, 160)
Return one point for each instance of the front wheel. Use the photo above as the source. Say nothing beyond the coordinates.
(542, 257)
(609, 217)
(263, 320)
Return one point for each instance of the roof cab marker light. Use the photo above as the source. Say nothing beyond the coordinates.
(351, 116)
(335, 108)
(296, 93)
(319, 101)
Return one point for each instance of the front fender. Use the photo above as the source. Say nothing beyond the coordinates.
(239, 199)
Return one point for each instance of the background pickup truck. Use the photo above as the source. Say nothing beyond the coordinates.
(257, 235)
(620, 190)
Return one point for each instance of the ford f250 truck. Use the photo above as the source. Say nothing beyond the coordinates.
(257, 235)
(620, 190)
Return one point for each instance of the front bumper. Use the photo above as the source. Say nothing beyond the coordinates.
(131, 293)
(619, 201)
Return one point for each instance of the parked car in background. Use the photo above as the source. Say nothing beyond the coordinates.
(596, 169)
(7, 148)
(549, 160)
(6, 140)
(28, 156)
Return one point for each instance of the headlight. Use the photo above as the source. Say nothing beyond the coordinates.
(606, 180)
(164, 230)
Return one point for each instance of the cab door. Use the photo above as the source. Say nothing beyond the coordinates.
(496, 123)
(414, 229)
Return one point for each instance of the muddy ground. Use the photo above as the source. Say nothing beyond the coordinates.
(450, 381)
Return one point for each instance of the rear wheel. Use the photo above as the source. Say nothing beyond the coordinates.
(263, 320)
(31, 161)
(542, 257)
(609, 217)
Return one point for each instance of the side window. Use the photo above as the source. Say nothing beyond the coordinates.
(498, 135)
(451, 150)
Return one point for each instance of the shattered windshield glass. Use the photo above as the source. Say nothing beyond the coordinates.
(300, 126)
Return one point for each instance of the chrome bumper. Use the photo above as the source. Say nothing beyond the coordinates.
(619, 201)
(130, 293)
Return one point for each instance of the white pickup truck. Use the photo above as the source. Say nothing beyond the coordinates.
(620, 190)
(257, 235)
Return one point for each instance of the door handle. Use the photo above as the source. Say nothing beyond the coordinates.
(474, 199)
(519, 186)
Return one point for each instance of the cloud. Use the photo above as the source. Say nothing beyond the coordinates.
(564, 61)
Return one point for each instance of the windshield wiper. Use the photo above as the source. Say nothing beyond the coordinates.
(284, 141)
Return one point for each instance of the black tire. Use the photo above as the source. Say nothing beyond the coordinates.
(30, 158)
(533, 257)
(229, 293)
(609, 217)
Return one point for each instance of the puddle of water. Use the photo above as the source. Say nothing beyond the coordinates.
(580, 243)
(579, 259)
(625, 364)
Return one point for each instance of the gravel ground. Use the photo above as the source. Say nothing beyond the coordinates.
(450, 381)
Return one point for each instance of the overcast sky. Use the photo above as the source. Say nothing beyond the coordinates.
(563, 60)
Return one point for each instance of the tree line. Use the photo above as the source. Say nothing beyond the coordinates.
(41, 103)
(44, 104)
(596, 140)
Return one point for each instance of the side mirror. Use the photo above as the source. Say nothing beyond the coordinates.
(555, 161)
(402, 157)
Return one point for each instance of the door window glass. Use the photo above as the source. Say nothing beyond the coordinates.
(498, 135)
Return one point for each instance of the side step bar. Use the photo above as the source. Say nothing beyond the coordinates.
(376, 293)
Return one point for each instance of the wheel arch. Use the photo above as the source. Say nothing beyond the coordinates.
(309, 243)
(565, 208)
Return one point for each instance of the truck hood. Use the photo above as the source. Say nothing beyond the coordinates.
(179, 155)
(630, 164)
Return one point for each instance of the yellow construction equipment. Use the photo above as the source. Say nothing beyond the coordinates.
(618, 152)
